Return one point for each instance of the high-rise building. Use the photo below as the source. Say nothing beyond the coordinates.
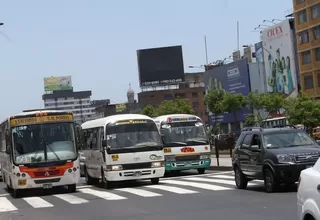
(307, 25)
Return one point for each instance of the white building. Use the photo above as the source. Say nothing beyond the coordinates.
(77, 102)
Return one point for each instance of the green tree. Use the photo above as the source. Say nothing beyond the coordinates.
(251, 120)
(233, 103)
(213, 100)
(176, 106)
(303, 110)
(150, 111)
(273, 102)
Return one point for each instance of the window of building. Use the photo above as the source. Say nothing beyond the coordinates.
(168, 96)
(308, 82)
(304, 37)
(302, 15)
(318, 79)
(180, 95)
(316, 33)
(299, 1)
(317, 53)
(194, 95)
(195, 104)
(306, 57)
(315, 11)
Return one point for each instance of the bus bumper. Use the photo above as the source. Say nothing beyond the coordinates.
(50, 182)
(137, 174)
(186, 165)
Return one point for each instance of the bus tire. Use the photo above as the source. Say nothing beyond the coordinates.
(105, 183)
(89, 179)
(72, 188)
(16, 193)
(155, 181)
(201, 170)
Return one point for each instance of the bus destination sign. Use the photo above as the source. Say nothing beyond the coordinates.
(40, 119)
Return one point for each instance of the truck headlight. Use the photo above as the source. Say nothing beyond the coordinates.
(157, 164)
(205, 156)
(170, 158)
(114, 167)
(285, 158)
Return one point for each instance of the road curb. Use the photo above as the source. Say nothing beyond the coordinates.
(220, 168)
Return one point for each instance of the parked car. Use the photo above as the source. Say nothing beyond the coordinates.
(275, 155)
(308, 200)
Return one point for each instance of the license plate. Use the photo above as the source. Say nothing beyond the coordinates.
(22, 182)
(47, 186)
(137, 173)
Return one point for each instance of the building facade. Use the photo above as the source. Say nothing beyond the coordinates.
(192, 90)
(307, 25)
(77, 102)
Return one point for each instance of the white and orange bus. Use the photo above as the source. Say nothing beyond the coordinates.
(39, 150)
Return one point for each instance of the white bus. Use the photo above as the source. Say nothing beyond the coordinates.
(38, 150)
(122, 147)
(186, 145)
(275, 121)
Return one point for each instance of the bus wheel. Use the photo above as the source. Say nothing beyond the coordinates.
(89, 179)
(16, 193)
(155, 181)
(105, 183)
(72, 188)
(201, 170)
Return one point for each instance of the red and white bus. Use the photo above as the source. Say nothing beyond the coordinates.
(39, 150)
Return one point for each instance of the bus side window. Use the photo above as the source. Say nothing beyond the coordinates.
(101, 137)
(8, 141)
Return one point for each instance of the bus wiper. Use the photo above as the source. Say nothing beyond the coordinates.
(197, 141)
(176, 142)
(50, 148)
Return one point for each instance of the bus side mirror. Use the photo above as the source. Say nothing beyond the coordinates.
(104, 143)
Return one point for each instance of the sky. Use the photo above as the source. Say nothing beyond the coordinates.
(96, 41)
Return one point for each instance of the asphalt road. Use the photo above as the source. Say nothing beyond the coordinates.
(187, 196)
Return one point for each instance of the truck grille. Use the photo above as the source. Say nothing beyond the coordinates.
(307, 158)
(133, 166)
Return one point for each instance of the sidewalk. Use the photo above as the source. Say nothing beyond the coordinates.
(224, 163)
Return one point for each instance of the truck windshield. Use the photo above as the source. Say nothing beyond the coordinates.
(40, 143)
(184, 133)
(137, 137)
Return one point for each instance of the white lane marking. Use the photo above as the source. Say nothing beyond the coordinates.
(37, 202)
(223, 177)
(173, 189)
(228, 182)
(139, 192)
(4, 194)
(71, 199)
(102, 194)
(6, 205)
(85, 186)
(196, 185)
(207, 174)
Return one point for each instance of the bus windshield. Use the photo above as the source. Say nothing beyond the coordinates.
(184, 133)
(134, 136)
(38, 143)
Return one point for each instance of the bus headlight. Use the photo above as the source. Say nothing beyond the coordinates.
(114, 167)
(205, 156)
(157, 164)
(170, 158)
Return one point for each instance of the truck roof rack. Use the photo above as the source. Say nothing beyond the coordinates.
(252, 128)
(284, 126)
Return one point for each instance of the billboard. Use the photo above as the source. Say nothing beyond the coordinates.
(160, 66)
(57, 83)
(279, 58)
(260, 60)
(233, 78)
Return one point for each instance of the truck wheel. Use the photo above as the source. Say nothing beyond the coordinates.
(72, 188)
(240, 178)
(105, 183)
(89, 179)
(16, 193)
(270, 182)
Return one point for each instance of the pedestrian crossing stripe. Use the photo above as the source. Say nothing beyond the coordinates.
(183, 185)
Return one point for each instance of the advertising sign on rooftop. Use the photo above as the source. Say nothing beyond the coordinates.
(232, 78)
(57, 83)
(279, 59)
